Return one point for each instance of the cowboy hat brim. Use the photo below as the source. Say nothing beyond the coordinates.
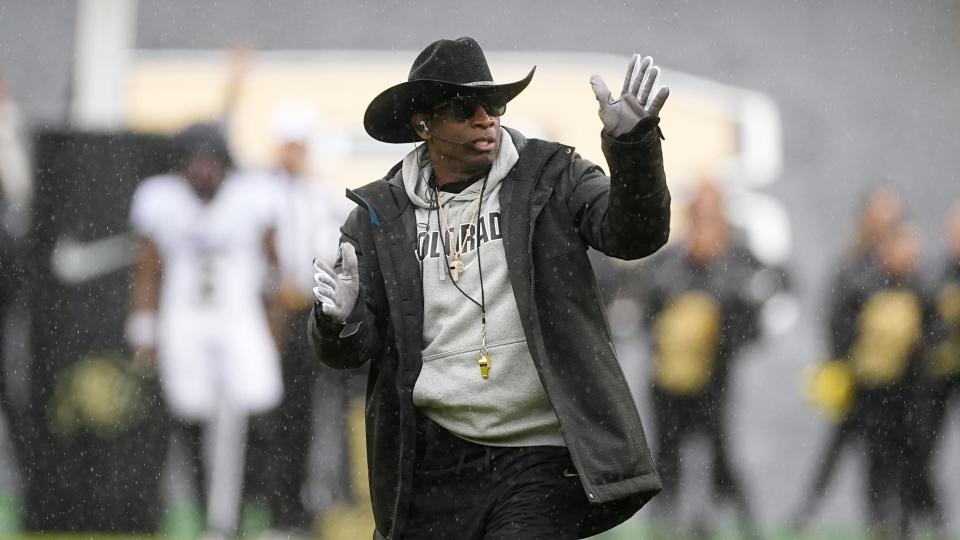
(388, 116)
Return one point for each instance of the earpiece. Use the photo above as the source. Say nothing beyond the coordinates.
(422, 128)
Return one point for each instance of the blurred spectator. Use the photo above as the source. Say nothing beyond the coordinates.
(882, 211)
(702, 307)
(308, 226)
(16, 194)
(205, 242)
(893, 324)
(939, 383)
(947, 363)
(308, 461)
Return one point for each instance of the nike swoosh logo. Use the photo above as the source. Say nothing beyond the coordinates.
(74, 262)
(567, 473)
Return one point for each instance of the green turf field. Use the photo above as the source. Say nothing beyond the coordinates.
(183, 522)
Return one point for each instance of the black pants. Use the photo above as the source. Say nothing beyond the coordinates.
(467, 491)
(846, 432)
(12, 284)
(679, 418)
(922, 496)
(291, 429)
(310, 390)
(887, 439)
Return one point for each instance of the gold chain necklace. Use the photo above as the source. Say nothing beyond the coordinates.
(455, 265)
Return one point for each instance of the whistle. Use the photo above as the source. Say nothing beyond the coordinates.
(484, 363)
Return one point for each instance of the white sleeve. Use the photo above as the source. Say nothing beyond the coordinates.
(335, 208)
(264, 194)
(146, 207)
(16, 182)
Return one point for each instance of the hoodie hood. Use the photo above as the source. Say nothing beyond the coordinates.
(417, 169)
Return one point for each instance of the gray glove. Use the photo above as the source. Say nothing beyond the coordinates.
(620, 116)
(337, 292)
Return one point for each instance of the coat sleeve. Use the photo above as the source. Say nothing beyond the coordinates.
(351, 344)
(625, 215)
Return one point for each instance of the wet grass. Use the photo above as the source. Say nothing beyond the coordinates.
(183, 522)
(622, 533)
(643, 531)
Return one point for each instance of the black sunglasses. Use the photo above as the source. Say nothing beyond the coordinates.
(463, 107)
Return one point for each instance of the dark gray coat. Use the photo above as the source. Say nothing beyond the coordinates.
(554, 206)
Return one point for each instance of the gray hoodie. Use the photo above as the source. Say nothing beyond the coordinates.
(510, 408)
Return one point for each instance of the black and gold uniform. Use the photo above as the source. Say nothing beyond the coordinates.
(938, 382)
(699, 315)
(893, 326)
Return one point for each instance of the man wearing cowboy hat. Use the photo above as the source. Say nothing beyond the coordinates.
(496, 407)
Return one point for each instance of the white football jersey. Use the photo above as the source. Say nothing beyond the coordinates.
(213, 336)
(308, 217)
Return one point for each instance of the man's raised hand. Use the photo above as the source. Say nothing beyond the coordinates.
(621, 115)
(336, 292)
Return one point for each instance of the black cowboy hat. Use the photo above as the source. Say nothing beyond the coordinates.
(446, 68)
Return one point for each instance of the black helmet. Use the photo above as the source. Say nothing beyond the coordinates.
(202, 140)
